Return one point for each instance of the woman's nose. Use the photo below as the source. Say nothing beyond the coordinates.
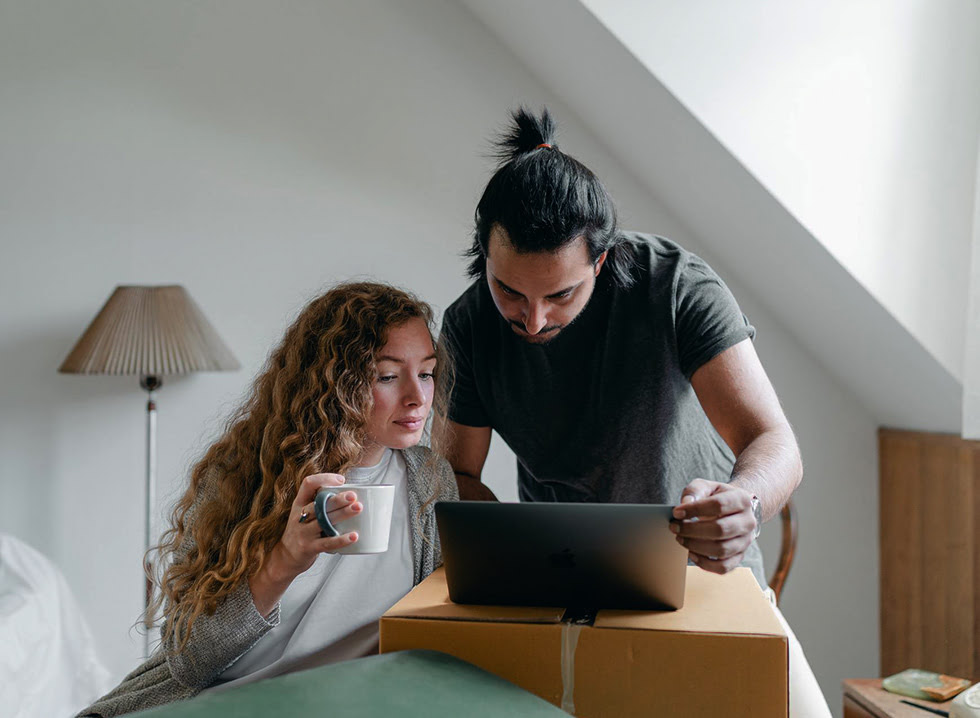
(415, 394)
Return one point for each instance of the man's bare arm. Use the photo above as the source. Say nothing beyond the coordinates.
(742, 406)
(467, 453)
(716, 523)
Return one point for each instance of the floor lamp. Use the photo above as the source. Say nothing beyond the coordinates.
(149, 331)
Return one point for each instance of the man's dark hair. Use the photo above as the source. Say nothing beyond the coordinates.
(543, 199)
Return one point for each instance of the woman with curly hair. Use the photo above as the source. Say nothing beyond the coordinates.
(251, 589)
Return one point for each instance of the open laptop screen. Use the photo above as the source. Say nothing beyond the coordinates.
(588, 556)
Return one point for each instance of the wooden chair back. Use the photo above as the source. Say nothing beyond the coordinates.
(787, 548)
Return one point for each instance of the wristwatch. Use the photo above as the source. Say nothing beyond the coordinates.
(757, 512)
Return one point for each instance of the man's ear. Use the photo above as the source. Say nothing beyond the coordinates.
(599, 262)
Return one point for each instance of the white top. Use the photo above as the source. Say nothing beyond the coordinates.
(330, 613)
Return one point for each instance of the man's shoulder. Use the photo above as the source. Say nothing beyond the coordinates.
(656, 261)
(469, 307)
(651, 250)
(686, 267)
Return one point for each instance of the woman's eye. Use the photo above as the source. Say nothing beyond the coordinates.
(427, 376)
(387, 378)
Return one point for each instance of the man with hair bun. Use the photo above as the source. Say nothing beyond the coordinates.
(617, 366)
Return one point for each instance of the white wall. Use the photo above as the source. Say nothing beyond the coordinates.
(860, 117)
(971, 360)
(255, 154)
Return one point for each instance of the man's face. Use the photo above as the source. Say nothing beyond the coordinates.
(540, 293)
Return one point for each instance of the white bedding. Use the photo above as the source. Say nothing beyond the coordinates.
(48, 663)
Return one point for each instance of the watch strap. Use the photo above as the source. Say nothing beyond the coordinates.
(757, 512)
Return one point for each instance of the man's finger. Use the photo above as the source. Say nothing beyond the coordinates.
(719, 529)
(717, 565)
(695, 491)
(720, 503)
(715, 550)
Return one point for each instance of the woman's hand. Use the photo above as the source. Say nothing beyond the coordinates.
(302, 542)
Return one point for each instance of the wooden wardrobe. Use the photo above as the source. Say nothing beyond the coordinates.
(929, 497)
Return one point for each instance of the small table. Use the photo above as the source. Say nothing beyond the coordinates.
(865, 698)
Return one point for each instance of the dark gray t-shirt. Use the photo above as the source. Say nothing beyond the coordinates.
(605, 412)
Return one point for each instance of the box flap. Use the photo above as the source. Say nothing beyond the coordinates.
(732, 604)
(430, 599)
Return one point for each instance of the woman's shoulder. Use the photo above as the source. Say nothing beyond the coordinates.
(422, 458)
(427, 468)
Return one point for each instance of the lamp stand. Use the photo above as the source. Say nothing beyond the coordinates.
(150, 384)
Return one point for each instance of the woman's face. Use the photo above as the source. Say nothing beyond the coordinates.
(402, 391)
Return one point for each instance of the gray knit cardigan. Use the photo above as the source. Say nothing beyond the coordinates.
(218, 640)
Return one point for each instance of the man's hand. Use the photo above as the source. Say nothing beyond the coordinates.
(716, 524)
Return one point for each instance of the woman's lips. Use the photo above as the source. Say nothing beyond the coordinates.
(411, 424)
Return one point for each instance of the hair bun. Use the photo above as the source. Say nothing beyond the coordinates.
(526, 133)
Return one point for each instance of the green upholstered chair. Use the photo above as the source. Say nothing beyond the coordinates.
(404, 684)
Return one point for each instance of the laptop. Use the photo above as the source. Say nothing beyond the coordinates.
(567, 555)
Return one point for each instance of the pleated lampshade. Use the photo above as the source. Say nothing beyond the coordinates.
(149, 331)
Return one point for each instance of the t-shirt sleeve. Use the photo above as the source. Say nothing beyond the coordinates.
(465, 405)
(707, 319)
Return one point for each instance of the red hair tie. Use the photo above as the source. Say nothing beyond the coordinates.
(543, 144)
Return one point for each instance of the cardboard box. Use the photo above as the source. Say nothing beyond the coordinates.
(723, 654)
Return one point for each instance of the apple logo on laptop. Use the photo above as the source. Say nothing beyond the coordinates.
(564, 559)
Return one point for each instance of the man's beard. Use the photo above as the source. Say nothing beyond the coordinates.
(553, 331)
(542, 337)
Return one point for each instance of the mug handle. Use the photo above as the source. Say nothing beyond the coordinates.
(327, 529)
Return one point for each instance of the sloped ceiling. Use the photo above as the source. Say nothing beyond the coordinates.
(753, 236)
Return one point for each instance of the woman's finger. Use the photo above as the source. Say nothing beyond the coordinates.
(307, 514)
(335, 543)
(313, 483)
(340, 501)
(339, 509)
(343, 506)
(345, 512)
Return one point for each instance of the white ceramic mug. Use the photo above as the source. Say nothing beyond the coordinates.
(373, 524)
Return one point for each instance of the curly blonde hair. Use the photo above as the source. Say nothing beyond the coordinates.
(306, 414)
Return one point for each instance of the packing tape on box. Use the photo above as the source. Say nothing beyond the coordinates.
(569, 640)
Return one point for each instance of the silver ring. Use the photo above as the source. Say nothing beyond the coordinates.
(304, 517)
